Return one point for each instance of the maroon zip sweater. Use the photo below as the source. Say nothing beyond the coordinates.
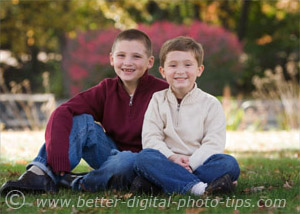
(109, 104)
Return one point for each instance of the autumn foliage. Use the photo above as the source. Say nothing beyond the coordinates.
(87, 58)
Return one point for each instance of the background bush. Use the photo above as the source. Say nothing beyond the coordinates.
(88, 54)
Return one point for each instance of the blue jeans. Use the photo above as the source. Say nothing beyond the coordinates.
(173, 178)
(113, 169)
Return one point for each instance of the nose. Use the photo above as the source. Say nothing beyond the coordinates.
(127, 61)
(180, 69)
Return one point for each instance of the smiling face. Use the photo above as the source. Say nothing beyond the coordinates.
(130, 62)
(181, 70)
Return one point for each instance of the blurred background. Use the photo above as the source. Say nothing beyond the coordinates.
(52, 50)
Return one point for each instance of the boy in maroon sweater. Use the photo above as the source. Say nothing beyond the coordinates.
(119, 105)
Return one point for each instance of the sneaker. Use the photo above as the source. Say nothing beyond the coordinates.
(30, 182)
(141, 185)
(220, 185)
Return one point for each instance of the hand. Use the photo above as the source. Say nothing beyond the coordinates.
(182, 160)
(61, 173)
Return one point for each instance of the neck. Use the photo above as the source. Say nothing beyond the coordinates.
(130, 88)
(180, 94)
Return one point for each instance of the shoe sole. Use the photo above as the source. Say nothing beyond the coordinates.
(9, 186)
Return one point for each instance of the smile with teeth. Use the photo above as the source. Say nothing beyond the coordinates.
(127, 70)
(180, 78)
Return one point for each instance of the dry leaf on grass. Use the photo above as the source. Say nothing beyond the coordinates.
(128, 195)
(257, 189)
(195, 210)
(287, 185)
(102, 202)
(13, 173)
(236, 212)
(277, 171)
(74, 210)
(253, 189)
(246, 190)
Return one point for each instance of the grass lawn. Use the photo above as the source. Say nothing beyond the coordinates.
(269, 183)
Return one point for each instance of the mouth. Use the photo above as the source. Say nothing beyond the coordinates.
(127, 70)
(180, 78)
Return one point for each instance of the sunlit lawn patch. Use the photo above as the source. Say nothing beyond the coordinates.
(269, 183)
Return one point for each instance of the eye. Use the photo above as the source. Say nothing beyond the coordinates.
(188, 64)
(120, 55)
(137, 56)
(172, 65)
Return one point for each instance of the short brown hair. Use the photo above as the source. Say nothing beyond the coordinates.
(181, 43)
(134, 34)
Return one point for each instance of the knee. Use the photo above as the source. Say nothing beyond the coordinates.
(86, 117)
(146, 157)
(83, 119)
(232, 167)
(122, 162)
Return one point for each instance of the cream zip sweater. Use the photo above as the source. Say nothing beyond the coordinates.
(196, 127)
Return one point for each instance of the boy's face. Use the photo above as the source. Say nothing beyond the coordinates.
(181, 71)
(130, 61)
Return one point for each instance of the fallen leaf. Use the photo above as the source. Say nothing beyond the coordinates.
(104, 202)
(194, 210)
(236, 211)
(246, 190)
(161, 207)
(74, 210)
(277, 171)
(13, 173)
(218, 198)
(261, 204)
(287, 185)
(257, 189)
(128, 195)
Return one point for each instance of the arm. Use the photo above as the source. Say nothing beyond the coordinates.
(153, 126)
(60, 124)
(213, 141)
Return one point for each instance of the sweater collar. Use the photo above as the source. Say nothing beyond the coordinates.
(188, 98)
(141, 85)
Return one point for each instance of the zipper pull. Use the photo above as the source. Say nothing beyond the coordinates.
(131, 100)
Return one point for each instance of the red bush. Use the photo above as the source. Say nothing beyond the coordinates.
(88, 54)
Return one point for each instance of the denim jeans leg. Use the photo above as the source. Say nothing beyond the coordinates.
(216, 166)
(87, 140)
(171, 177)
(115, 173)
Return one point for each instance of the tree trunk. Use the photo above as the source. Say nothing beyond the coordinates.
(35, 67)
(66, 77)
(243, 20)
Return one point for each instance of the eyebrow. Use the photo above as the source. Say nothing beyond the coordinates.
(186, 60)
(118, 52)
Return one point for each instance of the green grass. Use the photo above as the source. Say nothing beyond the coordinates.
(267, 179)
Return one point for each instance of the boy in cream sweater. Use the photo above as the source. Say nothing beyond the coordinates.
(184, 130)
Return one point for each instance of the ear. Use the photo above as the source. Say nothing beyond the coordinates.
(150, 62)
(200, 70)
(111, 59)
(162, 72)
